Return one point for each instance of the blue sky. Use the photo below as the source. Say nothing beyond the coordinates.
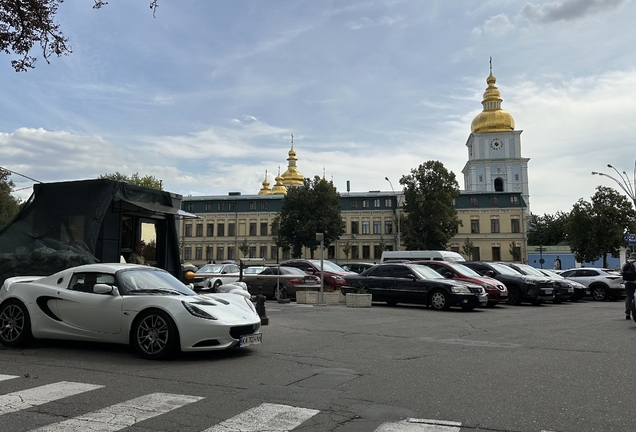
(206, 95)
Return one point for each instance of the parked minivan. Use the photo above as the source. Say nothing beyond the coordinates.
(418, 255)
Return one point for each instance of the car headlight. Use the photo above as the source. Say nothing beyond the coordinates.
(338, 278)
(460, 289)
(530, 281)
(197, 312)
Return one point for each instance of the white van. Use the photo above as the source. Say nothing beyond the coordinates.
(440, 255)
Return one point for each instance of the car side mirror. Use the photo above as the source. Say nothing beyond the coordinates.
(101, 288)
(489, 273)
(448, 275)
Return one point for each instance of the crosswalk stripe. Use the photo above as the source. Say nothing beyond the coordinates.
(420, 425)
(266, 416)
(123, 415)
(7, 377)
(24, 399)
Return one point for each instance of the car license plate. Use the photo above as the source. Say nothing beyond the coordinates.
(483, 299)
(253, 339)
(587, 292)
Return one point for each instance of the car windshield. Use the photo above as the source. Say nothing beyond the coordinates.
(552, 274)
(254, 270)
(329, 266)
(529, 270)
(142, 281)
(466, 271)
(504, 269)
(210, 268)
(425, 272)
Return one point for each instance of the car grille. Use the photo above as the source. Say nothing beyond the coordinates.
(476, 290)
(237, 332)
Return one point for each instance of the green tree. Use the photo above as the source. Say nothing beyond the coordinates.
(25, 23)
(9, 205)
(430, 219)
(313, 207)
(547, 229)
(515, 252)
(146, 181)
(346, 248)
(467, 248)
(244, 247)
(596, 229)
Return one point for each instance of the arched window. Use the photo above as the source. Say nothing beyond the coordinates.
(499, 184)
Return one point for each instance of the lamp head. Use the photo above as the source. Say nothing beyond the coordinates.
(609, 166)
(594, 173)
(386, 178)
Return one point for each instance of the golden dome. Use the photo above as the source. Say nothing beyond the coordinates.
(292, 177)
(492, 118)
(265, 190)
(279, 188)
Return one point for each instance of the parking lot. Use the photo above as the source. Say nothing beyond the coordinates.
(562, 367)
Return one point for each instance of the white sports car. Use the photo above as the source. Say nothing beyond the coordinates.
(142, 306)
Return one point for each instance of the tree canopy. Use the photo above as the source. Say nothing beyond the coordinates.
(430, 218)
(547, 229)
(9, 205)
(596, 229)
(145, 181)
(26, 23)
(306, 210)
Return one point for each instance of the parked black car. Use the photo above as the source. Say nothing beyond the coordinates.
(562, 290)
(521, 288)
(580, 290)
(412, 283)
(356, 267)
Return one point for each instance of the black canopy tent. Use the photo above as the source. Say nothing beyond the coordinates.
(79, 222)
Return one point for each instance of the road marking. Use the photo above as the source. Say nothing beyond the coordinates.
(420, 425)
(123, 415)
(40, 395)
(7, 377)
(269, 417)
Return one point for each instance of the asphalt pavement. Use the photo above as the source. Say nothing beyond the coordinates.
(554, 367)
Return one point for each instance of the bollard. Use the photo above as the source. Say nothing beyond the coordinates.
(260, 307)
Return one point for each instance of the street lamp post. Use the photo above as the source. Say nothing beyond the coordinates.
(397, 212)
(624, 183)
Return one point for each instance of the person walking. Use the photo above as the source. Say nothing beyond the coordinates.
(628, 271)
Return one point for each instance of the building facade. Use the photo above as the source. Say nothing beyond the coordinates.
(492, 209)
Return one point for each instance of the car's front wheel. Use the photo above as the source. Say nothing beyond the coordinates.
(155, 335)
(15, 324)
(439, 300)
(514, 296)
(599, 292)
(216, 286)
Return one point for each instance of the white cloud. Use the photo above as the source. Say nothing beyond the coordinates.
(498, 25)
(567, 10)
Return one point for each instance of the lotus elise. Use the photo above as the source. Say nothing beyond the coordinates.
(141, 306)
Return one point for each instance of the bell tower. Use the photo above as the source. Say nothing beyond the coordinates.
(494, 149)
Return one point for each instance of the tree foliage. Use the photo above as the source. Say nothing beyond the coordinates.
(547, 229)
(596, 229)
(306, 210)
(9, 205)
(28, 23)
(145, 181)
(430, 218)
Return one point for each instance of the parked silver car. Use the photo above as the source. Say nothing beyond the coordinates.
(603, 283)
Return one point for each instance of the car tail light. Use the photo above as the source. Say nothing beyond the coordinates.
(295, 281)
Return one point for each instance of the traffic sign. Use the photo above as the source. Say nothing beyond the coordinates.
(630, 238)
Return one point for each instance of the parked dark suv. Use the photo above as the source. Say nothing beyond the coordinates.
(521, 288)
(334, 274)
(562, 291)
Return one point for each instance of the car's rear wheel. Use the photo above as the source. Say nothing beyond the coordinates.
(155, 335)
(15, 324)
(514, 296)
(598, 292)
(216, 285)
(439, 300)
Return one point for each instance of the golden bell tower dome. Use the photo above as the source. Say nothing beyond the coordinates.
(292, 177)
(265, 190)
(279, 188)
(492, 118)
